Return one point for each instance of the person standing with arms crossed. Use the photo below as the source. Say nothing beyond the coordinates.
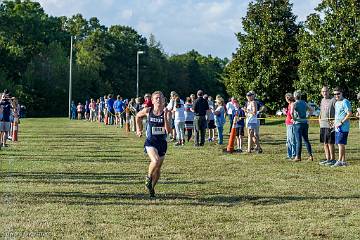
(158, 126)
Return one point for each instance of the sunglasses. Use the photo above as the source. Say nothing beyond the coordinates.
(337, 94)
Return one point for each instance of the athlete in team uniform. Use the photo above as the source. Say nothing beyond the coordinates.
(158, 126)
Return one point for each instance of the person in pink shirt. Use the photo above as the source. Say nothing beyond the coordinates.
(290, 133)
(79, 110)
(92, 106)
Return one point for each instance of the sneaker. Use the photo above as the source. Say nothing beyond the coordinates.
(330, 162)
(149, 187)
(324, 162)
(177, 144)
(338, 164)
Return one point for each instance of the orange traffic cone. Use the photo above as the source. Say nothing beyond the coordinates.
(15, 130)
(230, 146)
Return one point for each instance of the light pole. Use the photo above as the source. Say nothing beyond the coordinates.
(137, 72)
(70, 75)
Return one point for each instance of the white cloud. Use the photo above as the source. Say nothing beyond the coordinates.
(145, 27)
(126, 14)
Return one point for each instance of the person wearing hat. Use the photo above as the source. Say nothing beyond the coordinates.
(220, 119)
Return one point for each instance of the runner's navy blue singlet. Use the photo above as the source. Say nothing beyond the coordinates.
(155, 133)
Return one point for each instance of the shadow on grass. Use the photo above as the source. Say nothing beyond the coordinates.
(119, 199)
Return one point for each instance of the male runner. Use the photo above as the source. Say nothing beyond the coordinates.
(158, 126)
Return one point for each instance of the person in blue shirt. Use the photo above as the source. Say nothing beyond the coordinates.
(119, 110)
(110, 109)
(301, 126)
(73, 110)
(343, 113)
(157, 127)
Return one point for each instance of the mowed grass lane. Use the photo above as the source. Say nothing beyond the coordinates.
(79, 180)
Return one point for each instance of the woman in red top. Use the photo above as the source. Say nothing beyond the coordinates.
(290, 133)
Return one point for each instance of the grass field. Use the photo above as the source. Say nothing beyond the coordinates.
(79, 180)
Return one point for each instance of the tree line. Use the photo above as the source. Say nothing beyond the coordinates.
(34, 60)
(276, 54)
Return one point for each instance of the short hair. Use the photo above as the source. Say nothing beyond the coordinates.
(290, 96)
(188, 99)
(173, 93)
(200, 93)
(118, 97)
(297, 94)
(337, 89)
(157, 92)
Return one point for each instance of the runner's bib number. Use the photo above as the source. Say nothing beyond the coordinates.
(158, 130)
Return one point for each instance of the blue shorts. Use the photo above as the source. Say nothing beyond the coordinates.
(160, 146)
(341, 137)
(4, 126)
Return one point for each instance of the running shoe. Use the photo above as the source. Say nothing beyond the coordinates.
(149, 187)
(338, 164)
(324, 162)
(330, 162)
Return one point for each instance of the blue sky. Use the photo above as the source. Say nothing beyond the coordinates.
(207, 26)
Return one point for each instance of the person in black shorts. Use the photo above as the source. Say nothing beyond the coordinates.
(327, 132)
(157, 128)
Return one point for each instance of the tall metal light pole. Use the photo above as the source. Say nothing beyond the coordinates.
(70, 75)
(137, 72)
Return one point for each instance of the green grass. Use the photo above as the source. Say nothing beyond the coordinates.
(78, 180)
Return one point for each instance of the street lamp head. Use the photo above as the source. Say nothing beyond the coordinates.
(140, 52)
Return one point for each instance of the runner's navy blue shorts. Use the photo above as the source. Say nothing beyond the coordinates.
(160, 146)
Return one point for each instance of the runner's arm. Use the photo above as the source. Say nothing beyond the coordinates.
(138, 119)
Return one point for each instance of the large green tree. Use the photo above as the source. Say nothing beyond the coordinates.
(265, 60)
(329, 49)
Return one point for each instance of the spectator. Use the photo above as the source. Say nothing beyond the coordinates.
(301, 126)
(358, 109)
(79, 109)
(211, 120)
(6, 103)
(179, 121)
(92, 107)
(342, 124)
(201, 109)
(220, 119)
(189, 118)
(290, 132)
(327, 133)
(230, 108)
(110, 109)
(87, 110)
(119, 111)
(73, 110)
(239, 118)
(252, 122)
